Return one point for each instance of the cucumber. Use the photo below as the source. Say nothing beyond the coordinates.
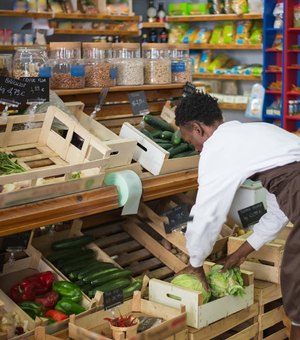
(110, 285)
(176, 138)
(186, 154)
(110, 277)
(156, 133)
(157, 123)
(78, 241)
(90, 254)
(100, 273)
(86, 288)
(165, 146)
(178, 149)
(166, 135)
(88, 270)
(128, 291)
(146, 133)
(82, 263)
(62, 254)
(159, 140)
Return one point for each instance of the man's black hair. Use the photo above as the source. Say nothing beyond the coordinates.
(199, 107)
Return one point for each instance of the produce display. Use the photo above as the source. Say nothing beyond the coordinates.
(88, 274)
(9, 165)
(163, 134)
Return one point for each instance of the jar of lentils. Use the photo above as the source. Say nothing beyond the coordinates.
(99, 70)
(180, 63)
(28, 61)
(129, 64)
(157, 64)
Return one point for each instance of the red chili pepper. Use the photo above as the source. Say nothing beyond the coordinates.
(48, 300)
(19, 294)
(56, 315)
(122, 321)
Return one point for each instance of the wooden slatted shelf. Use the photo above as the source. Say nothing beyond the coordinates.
(233, 106)
(226, 76)
(36, 15)
(13, 47)
(72, 31)
(214, 17)
(225, 47)
(153, 25)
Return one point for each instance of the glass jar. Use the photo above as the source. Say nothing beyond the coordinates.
(65, 50)
(28, 61)
(129, 64)
(157, 64)
(99, 70)
(180, 63)
(67, 74)
(5, 65)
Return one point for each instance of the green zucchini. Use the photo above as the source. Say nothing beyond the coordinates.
(158, 123)
(86, 288)
(82, 263)
(78, 241)
(88, 270)
(159, 140)
(100, 273)
(110, 285)
(176, 138)
(178, 149)
(109, 277)
(156, 133)
(186, 154)
(128, 291)
(165, 146)
(88, 254)
(62, 254)
(166, 135)
(146, 133)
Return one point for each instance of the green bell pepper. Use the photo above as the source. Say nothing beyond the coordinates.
(68, 307)
(33, 309)
(67, 290)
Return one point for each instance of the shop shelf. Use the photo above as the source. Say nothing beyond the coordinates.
(154, 25)
(60, 31)
(273, 50)
(214, 17)
(36, 15)
(296, 117)
(273, 92)
(225, 47)
(226, 76)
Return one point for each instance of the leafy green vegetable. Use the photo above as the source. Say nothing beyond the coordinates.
(191, 281)
(227, 283)
(9, 166)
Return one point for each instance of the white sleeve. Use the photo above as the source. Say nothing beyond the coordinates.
(269, 225)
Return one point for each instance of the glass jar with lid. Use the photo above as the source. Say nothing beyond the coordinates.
(180, 63)
(157, 64)
(129, 64)
(65, 50)
(5, 65)
(99, 69)
(67, 74)
(28, 61)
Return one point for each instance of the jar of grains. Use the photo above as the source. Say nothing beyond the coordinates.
(67, 74)
(99, 70)
(28, 61)
(65, 50)
(157, 64)
(180, 63)
(129, 64)
(5, 65)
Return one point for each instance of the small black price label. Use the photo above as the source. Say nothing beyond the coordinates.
(252, 214)
(13, 91)
(113, 298)
(38, 89)
(16, 241)
(177, 217)
(138, 102)
(188, 89)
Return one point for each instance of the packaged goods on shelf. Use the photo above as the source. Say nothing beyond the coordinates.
(243, 32)
(202, 36)
(119, 7)
(206, 59)
(218, 62)
(197, 9)
(176, 32)
(190, 35)
(88, 7)
(278, 14)
(178, 9)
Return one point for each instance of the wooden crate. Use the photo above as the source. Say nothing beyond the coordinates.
(40, 334)
(242, 325)
(154, 158)
(94, 327)
(266, 262)
(122, 149)
(50, 159)
(200, 315)
(270, 311)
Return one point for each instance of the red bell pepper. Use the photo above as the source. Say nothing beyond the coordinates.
(19, 294)
(56, 315)
(40, 282)
(48, 300)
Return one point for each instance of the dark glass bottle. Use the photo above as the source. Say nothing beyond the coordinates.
(153, 38)
(163, 36)
(161, 13)
(151, 11)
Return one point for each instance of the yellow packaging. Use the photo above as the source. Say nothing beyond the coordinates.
(203, 36)
(243, 32)
(206, 58)
(218, 62)
(190, 35)
(217, 37)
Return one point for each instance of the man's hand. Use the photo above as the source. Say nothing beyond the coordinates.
(199, 272)
(238, 257)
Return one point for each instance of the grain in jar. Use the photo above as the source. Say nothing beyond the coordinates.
(28, 61)
(99, 69)
(65, 50)
(157, 64)
(5, 65)
(129, 64)
(181, 70)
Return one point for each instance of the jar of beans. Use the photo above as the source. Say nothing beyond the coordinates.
(129, 64)
(99, 69)
(180, 63)
(65, 50)
(157, 64)
(5, 65)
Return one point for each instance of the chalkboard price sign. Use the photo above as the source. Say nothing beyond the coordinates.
(251, 215)
(113, 298)
(178, 217)
(138, 102)
(13, 90)
(38, 89)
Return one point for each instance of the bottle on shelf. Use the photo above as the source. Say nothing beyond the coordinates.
(151, 11)
(144, 38)
(163, 36)
(153, 37)
(161, 13)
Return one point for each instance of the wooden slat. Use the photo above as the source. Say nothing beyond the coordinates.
(265, 292)
(98, 223)
(103, 17)
(10, 13)
(128, 246)
(144, 266)
(214, 17)
(226, 47)
(94, 32)
(126, 259)
(247, 333)
(280, 335)
(113, 239)
(160, 273)
(226, 76)
(270, 318)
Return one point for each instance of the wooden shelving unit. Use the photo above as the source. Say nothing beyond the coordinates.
(214, 17)
(13, 47)
(225, 76)
(154, 25)
(73, 31)
(225, 47)
(35, 15)
(233, 106)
